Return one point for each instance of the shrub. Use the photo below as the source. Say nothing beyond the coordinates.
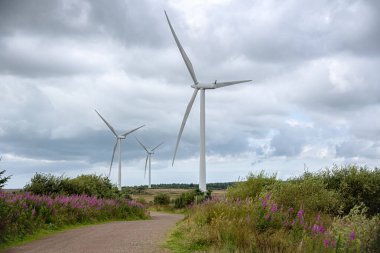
(92, 185)
(307, 192)
(355, 185)
(46, 184)
(188, 198)
(162, 199)
(251, 188)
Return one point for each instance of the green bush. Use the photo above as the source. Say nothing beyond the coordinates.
(251, 188)
(306, 192)
(162, 199)
(355, 185)
(188, 198)
(91, 185)
(47, 184)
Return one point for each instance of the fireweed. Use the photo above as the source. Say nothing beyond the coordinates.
(24, 213)
(262, 225)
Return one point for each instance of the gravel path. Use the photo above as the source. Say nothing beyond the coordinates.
(124, 236)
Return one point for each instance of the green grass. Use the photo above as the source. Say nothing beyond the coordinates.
(176, 242)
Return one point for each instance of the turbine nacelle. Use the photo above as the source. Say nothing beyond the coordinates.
(204, 86)
(121, 137)
(216, 84)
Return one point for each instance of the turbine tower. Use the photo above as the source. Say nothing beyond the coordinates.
(119, 138)
(202, 87)
(149, 154)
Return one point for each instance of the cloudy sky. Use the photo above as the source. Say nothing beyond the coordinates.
(314, 98)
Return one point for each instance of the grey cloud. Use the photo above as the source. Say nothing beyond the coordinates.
(52, 18)
(289, 142)
(358, 148)
(312, 63)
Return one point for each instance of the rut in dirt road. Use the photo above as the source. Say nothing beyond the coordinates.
(115, 237)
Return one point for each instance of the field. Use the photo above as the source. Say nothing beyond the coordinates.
(149, 194)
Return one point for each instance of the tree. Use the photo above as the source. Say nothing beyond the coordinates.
(3, 179)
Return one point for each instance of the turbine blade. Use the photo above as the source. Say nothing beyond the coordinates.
(223, 84)
(183, 53)
(131, 131)
(108, 124)
(113, 156)
(146, 163)
(157, 146)
(188, 109)
(142, 145)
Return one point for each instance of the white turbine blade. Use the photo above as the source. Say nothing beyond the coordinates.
(113, 155)
(188, 109)
(222, 84)
(142, 145)
(183, 53)
(108, 124)
(157, 146)
(146, 162)
(131, 131)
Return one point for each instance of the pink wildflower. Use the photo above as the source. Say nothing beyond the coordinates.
(273, 208)
(352, 236)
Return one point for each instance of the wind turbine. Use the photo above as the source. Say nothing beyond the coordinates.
(118, 143)
(149, 154)
(202, 87)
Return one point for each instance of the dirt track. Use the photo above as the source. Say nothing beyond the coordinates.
(129, 236)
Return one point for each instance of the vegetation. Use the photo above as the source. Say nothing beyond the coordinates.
(355, 185)
(328, 211)
(24, 213)
(3, 179)
(91, 185)
(188, 198)
(49, 202)
(210, 186)
(162, 199)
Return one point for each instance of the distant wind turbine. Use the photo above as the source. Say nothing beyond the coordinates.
(149, 154)
(202, 87)
(118, 142)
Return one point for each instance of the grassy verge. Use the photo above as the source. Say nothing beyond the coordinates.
(177, 241)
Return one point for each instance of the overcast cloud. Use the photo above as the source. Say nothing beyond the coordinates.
(314, 98)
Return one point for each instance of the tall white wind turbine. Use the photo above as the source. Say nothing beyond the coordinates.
(118, 137)
(202, 87)
(149, 153)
